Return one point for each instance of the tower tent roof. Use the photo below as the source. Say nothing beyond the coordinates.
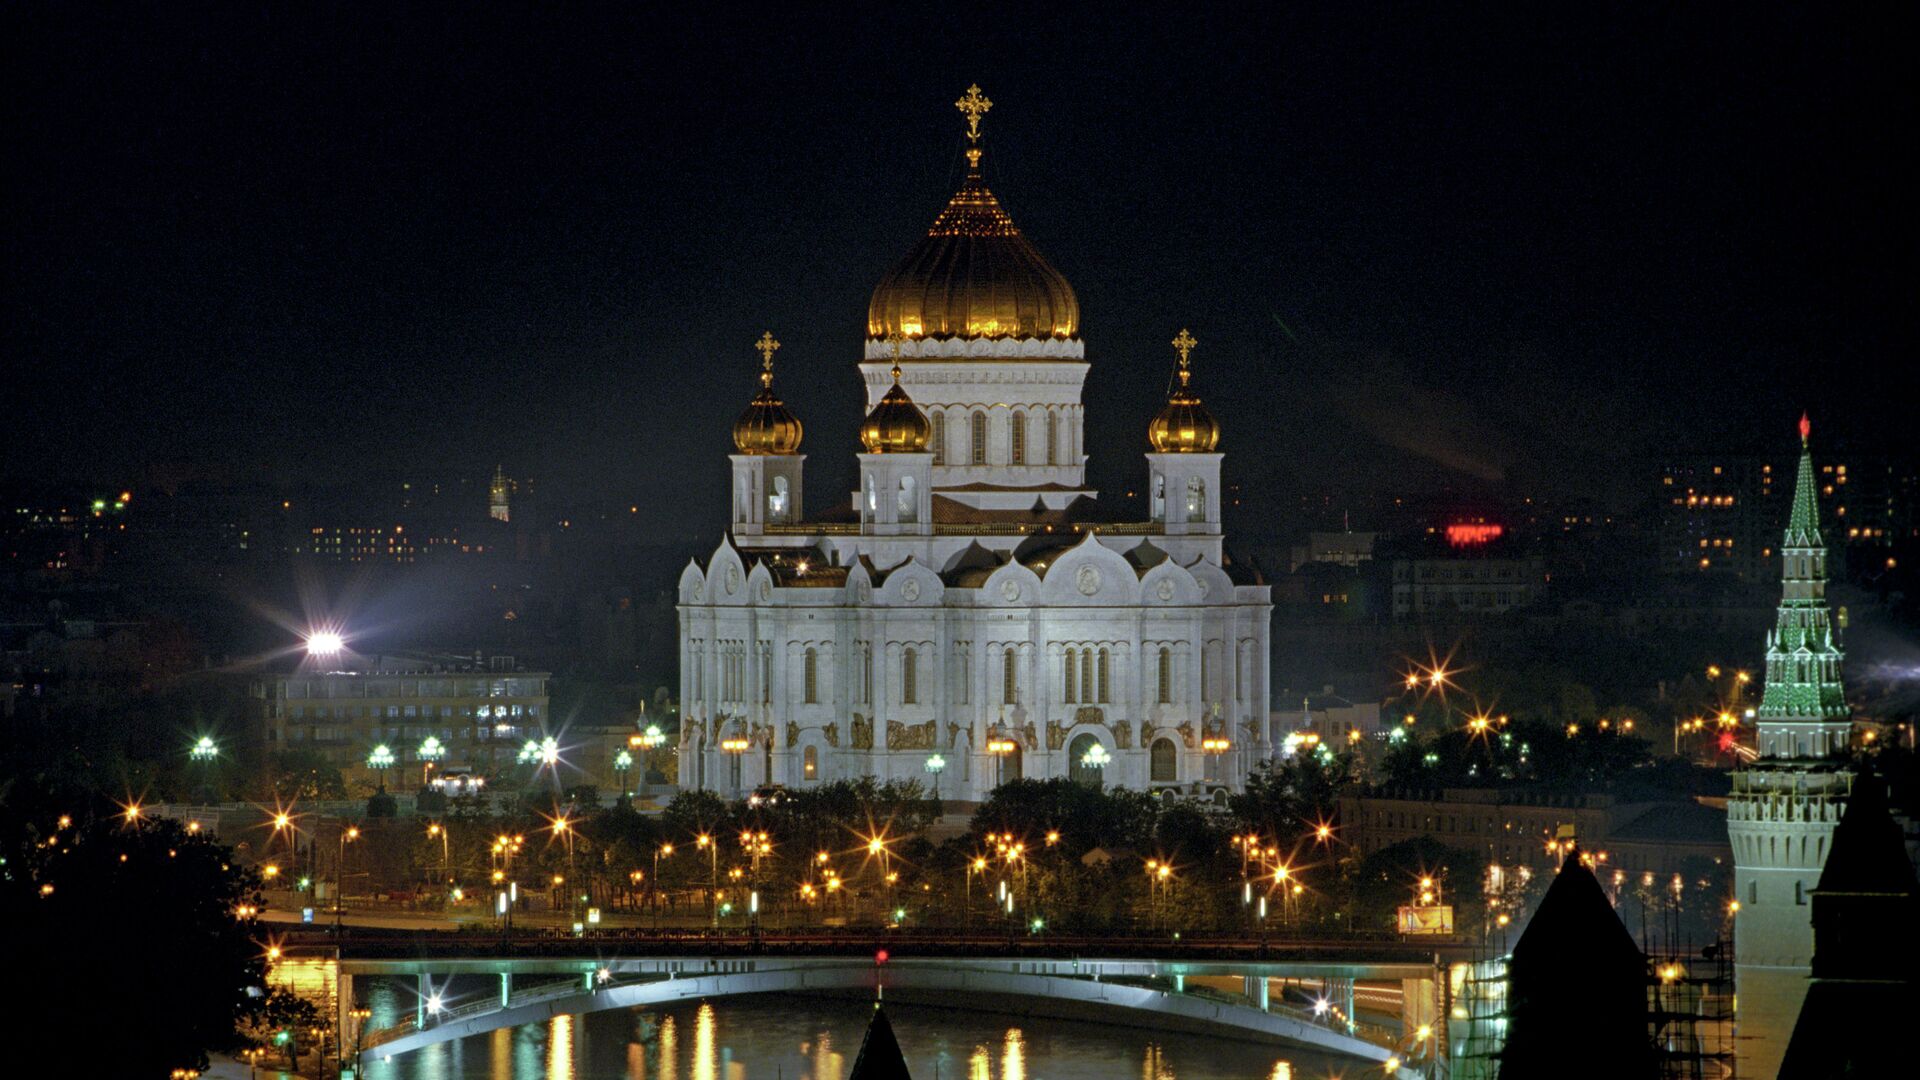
(1869, 855)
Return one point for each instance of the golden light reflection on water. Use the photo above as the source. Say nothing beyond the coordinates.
(1282, 1071)
(560, 1048)
(500, 1052)
(704, 1058)
(669, 1048)
(1013, 1059)
(980, 1066)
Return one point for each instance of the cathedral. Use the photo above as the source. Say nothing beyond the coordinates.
(973, 614)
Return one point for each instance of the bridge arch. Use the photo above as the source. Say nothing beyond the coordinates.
(1039, 994)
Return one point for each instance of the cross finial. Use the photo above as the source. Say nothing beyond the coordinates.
(1183, 344)
(894, 339)
(766, 345)
(973, 105)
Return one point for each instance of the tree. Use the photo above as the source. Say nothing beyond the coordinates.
(131, 925)
(304, 773)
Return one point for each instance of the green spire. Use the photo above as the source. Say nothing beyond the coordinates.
(1803, 656)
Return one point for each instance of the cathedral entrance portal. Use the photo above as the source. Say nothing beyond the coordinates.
(1010, 765)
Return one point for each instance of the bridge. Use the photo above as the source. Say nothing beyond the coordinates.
(1362, 999)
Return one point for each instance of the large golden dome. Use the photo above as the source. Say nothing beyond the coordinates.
(896, 425)
(767, 427)
(1184, 425)
(974, 275)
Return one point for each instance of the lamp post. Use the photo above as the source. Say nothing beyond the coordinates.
(667, 851)
(1096, 758)
(1213, 746)
(735, 747)
(381, 759)
(350, 833)
(1001, 748)
(705, 843)
(439, 830)
(430, 752)
(935, 764)
(622, 765)
(203, 753)
(564, 828)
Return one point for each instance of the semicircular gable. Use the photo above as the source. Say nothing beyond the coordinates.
(1169, 583)
(1215, 586)
(1011, 584)
(911, 584)
(1091, 573)
(726, 576)
(692, 583)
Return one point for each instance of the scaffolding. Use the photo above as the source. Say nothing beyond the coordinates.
(1690, 1013)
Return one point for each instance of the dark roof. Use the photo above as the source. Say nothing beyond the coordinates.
(1869, 855)
(880, 1057)
(1676, 823)
(1575, 918)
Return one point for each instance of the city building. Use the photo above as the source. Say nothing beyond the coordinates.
(1785, 803)
(977, 601)
(499, 495)
(1326, 714)
(1718, 514)
(481, 712)
(1465, 570)
(1338, 548)
(1517, 826)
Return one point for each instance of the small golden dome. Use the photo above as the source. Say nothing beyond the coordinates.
(896, 425)
(1184, 426)
(766, 427)
(974, 275)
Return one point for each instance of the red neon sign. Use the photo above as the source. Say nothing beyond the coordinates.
(1468, 535)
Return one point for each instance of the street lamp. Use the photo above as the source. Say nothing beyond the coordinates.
(204, 750)
(381, 759)
(935, 764)
(1213, 746)
(430, 751)
(705, 843)
(665, 850)
(622, 765)
(348, 834)
(435, 829)
(1096, 758)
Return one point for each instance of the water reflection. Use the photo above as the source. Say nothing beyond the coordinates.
(777, 1037)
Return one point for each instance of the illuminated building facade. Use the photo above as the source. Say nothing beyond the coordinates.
(972, 602)
(499, 495)
(1786, 803)
(1464, 571)
(482, 714)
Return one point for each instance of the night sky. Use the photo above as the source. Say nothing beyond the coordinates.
(1416, 245)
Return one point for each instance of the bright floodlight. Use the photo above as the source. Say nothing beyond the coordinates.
(205, 749)
(325, 643)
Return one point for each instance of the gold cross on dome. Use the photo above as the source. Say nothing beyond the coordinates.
(973, 105)
(894, 338)
(1183, 344)
(766, 345)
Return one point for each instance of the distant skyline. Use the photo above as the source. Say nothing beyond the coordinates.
(1417, 247)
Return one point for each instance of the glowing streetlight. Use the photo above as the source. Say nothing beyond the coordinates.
(935, 763)
(382, 759)
(325, 643)
(429, 753)
(622, 765)
(205, 749)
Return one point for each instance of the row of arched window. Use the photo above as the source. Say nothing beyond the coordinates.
(1085, 677)
(974, 452)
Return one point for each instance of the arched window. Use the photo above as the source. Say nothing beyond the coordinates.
(1159, 498)
(1206, 672)
(873, 500)
(1018, 438)
(909, 501)
(866, 674)
(1053, 437)
(1086, 675)
(1009, 679)
(777, 499)
(810, 763)
(1166, 676)
(1079, 769)
(978, 451)
(1103, 678)
(1196, 499)
(939, 438)
(812, 677)
(1067, 674)
(1162, 766)
(910, 677)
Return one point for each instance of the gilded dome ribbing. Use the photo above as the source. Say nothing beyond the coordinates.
(974, 275)
(896, 425)
(1184, 426)
(767, 427)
